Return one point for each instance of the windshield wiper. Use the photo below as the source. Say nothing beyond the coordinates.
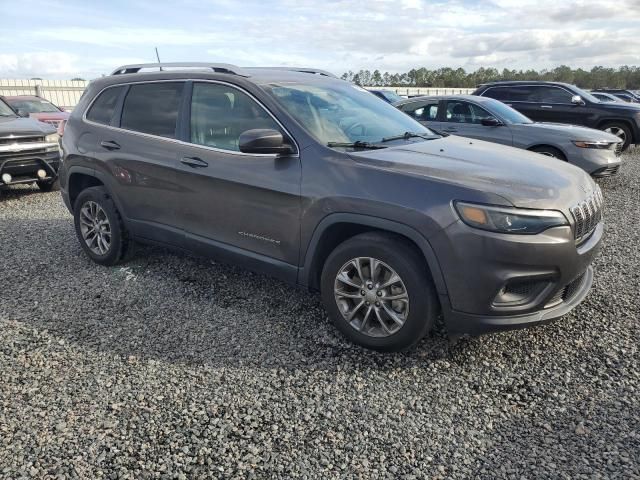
(407, 136)
(356, 144)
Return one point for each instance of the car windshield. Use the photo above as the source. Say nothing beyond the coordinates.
(5, 110)
(340, 112)
(506, 113)
(33, 106)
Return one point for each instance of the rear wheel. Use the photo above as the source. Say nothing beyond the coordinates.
(549, 151)
(620, 130)
(378, 292)
(99, 227)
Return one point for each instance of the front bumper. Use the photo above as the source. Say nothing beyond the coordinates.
(596, 162)
(500, 281)
(24, 168)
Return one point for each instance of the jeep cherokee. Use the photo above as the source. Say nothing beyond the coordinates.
(313, 180)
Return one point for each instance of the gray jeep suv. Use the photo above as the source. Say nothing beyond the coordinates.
(313, 180)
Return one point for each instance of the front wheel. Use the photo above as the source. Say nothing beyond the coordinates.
(377, 290)
(621, 131)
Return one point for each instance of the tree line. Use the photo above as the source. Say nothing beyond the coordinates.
(597, 77)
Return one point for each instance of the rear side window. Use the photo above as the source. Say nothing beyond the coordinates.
(152, 108)
(422, 112)
(103, 107)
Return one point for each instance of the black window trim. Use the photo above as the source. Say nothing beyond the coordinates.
(529, 85)
(180, 128)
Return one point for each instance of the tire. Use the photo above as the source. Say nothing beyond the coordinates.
(549, 151)
(620, 130)
(49, 186)
(390, 253)
(119, 244)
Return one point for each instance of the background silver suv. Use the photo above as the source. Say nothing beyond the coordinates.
(316, 181)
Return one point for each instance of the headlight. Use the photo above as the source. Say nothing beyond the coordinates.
(509, 220)
(52, 138)
(603, 145)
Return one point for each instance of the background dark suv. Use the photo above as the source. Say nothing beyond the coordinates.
(564, 103)
(314, 180)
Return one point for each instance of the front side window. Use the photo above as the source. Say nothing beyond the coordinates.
(34, 106)
(102, 109)
(464, 112)
(5, 110)
(542, 94)
(220, 114)
(342, 112)
(152, 108)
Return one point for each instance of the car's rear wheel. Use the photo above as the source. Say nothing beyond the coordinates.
(549, 151)
(49, 186)
(620, 130)
(99, 227)
(377, 290)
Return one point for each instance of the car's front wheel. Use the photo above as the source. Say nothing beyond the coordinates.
(99, 227)
(377, 289)
(620, 130)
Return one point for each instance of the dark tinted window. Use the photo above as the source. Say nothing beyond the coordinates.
(219, 114)
(152, 108)
(102, 109)
(464, 112)
(544, 94)
(514, 93)
(423, 112)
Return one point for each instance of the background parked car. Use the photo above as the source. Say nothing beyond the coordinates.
(564, 103)
(487, 119)
(388, 96)
(623, 94)
(606, 97)
(38, 108)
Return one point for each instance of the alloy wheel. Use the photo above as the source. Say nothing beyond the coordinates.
(371, 296)
(95, 228)
(618, 132)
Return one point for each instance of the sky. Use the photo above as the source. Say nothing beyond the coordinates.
(69, 38)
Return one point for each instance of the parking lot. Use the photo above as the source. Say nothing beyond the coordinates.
(176, 367)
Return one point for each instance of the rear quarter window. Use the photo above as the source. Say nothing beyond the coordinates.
(102, 109)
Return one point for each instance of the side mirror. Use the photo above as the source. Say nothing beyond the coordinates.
(263, 140)
(491, 122)
(577, 100)
(22, 113)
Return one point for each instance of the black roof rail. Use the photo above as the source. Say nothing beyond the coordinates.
(216, 67)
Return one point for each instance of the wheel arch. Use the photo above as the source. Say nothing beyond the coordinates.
(81, 178)
(532, 148)
(338, 227)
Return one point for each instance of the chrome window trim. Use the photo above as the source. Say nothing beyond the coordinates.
(520, 101)
(181, 142)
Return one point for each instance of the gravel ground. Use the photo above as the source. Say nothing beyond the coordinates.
(175, 367)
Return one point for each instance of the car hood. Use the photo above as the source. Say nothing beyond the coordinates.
(629, 107)
(524, 179)
(574, 131)
(23, 126)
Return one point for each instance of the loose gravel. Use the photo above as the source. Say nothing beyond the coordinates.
(174, 367)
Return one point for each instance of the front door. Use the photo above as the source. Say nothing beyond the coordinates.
(243, 205)
(465, 119)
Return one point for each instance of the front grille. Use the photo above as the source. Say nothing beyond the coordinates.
(606, 171)
(586, 215)
(20, 155)
(566, 293)
(20, 140)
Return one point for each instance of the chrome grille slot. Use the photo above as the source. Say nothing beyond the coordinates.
(586, 215)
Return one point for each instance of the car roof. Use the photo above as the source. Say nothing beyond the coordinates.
(256, 75)
(471, 98)
(523, 82)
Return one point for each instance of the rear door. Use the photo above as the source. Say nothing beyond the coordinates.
(232, 201)
(465, 119)
(138, 156)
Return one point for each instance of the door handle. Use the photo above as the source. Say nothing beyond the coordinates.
(546, 106)
(110, 145)
(194, 162)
